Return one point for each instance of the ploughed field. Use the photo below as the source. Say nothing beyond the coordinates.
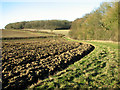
(25, 63)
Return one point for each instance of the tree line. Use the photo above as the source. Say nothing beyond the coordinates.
(100, 24)
(40, 24)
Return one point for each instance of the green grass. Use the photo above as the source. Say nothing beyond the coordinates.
(99, 69)
(107, 43)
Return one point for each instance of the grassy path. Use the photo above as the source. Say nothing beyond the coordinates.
(99, 69)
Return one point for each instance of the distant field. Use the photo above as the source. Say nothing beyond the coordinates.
(21, 33)
(64, 32)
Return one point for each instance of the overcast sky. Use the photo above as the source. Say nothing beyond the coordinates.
(27, 10)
